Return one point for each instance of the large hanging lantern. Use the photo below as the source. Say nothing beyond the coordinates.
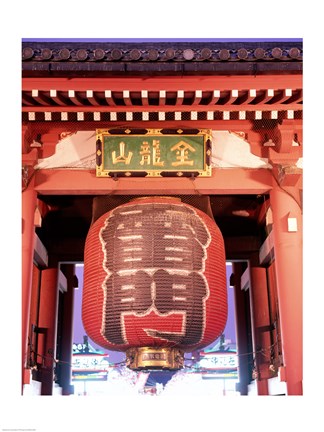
(154, 282)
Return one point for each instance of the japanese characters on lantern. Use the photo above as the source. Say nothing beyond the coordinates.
(154, 277)
(155, 269)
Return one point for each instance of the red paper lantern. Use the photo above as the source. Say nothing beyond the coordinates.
(154, 281)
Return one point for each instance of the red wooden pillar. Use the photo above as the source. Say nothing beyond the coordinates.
(67, 331)
(287, 230)
(28, 243)
(274, 316)
(47, 327)
(242, 329)
(260, 324)
(33, 315)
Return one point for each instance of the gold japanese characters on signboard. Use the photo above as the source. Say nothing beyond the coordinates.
(153, 152)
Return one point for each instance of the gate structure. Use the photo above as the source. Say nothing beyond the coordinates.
(247, 99)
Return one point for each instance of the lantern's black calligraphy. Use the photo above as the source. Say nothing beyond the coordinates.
(155, 258)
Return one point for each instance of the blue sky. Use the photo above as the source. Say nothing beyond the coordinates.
(162, 39)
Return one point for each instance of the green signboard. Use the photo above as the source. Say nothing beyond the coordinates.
(153, 152)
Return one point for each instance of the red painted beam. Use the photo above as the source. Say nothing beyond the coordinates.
(171, 83)
(85, 182)
(166, 108)
(217, 125)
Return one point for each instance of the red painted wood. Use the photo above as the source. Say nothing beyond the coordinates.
(165, 108)
(222, 181)
(48, 322)
(166, 83)
(28, 242)
(241, 326)
(289, 265)
(260, 320)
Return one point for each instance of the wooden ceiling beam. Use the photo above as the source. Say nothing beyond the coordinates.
(26, 99)
(74, 98)
(109, 98)
(167, 108)
(76, 182)
(91, 98)
(180, 97)
(197, 97)
(217, 125)
(57, 98)
(40, 98)
(172, 83)
(232, 97)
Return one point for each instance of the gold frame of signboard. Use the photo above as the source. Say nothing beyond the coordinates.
(153, 152)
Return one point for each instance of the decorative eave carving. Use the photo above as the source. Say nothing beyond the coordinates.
(187, 58)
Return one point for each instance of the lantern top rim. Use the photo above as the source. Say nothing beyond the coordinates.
(176, 199)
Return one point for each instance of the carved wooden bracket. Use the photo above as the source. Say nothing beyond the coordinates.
(287, 175)
(281, 145)
(28, 162)
(289, 132)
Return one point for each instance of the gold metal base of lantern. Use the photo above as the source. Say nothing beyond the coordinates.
(142, 358)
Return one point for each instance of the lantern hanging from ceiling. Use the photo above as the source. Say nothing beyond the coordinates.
(154, 282)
